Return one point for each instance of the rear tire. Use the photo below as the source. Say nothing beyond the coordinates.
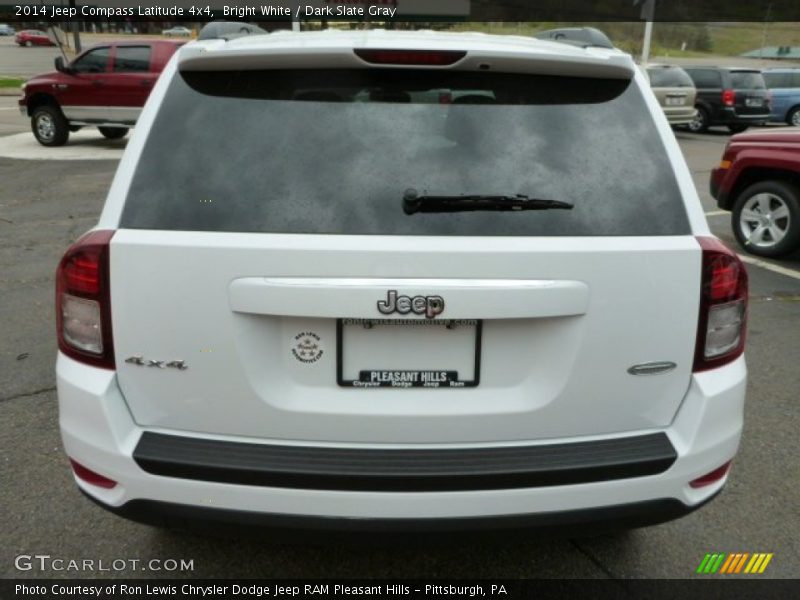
(701, 121)
(766, 218)
(113, 133)
(793, 118)
(737, 128)
(49, 126)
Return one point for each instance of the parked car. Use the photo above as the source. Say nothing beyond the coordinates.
(106, 86)
(784, 84)
(6, 29)
(229, 30)
(33, 37)
(319, 296)
(675, 92)
(758, 180)
(733, 97)
(177, 32)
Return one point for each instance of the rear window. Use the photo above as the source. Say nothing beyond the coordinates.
(669, 77)
(706, 78)
(789, 79)
(333, 152)
(747, 80)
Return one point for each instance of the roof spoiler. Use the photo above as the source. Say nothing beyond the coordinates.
(228, 30)
(585, 37)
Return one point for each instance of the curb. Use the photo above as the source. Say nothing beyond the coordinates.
(10, 92)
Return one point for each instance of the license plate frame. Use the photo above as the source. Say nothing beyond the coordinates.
(676, 100)
(420, 383)
(751, 102)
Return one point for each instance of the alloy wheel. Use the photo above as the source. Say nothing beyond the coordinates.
(764, 220)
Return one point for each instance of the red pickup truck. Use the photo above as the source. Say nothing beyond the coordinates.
(105, 86)
(758, 180)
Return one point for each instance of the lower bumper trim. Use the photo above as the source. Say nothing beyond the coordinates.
(580, 522)
(418, 470)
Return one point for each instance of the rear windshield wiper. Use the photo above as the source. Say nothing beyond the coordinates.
(414, 203)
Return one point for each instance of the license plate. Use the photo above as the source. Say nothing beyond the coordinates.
(753, 102)
(676, 100)
(405, 353)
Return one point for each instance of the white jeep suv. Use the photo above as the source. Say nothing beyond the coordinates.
(397, 280)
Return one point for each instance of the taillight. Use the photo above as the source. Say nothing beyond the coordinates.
(722, 323)
(431, 58)
(728, 97)
(83, 306)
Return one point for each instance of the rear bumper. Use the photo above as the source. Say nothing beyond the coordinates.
(581, 522)
(99, 432)
(680, 116)
(729, 116)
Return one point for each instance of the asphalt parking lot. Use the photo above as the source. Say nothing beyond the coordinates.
(48, 202)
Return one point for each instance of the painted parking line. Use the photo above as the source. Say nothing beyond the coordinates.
(757, 262)
(717, 213)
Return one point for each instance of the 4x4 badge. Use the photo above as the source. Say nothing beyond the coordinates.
(430, 306)
(159, 364)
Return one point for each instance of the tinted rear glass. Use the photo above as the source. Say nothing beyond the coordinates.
(782, 80)
(669, 77)
(132, 59)
(747, 80)
(334, 151)
(706, 78)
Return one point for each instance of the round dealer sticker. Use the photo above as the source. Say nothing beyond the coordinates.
(307, 347)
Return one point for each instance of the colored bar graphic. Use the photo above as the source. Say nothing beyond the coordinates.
(703, 563)
(754, 563)
(710, 563)
(741, 562)
(765, 563)
(735, 558)
(717, 563)
(727, 564)
(734, 563)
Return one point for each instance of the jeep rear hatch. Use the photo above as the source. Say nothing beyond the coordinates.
(264, 242)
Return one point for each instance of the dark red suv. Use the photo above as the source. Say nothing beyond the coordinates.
(105, 86)
(758, 180)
